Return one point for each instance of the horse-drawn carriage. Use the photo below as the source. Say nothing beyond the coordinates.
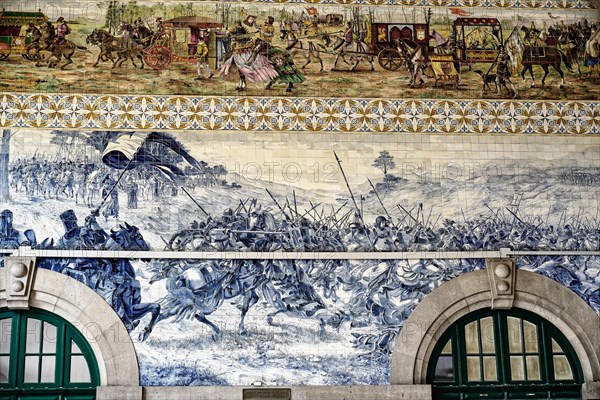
(384, 39)
(11, 23)
(477, 39)
(179, 41)
(408, 45)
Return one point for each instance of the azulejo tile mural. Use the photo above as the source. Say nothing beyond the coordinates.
(328, 51)
(304, 115)
(285, 321)
(169, 184)
(169, 158)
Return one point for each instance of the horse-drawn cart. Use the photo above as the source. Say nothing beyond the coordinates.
(11, 23)
(478, 39)
(384, 38)
(179, 41)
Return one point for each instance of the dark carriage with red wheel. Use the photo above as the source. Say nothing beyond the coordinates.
(179, 41)
(385, 37)
(12, 38)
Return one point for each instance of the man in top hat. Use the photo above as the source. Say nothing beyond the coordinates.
(11, 238)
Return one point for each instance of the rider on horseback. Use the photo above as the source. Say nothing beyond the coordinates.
(348, 36)
(62, 30)
(50, 34)
(34, 33)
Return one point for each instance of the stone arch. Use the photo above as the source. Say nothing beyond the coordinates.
(473, 291)
(83, 308)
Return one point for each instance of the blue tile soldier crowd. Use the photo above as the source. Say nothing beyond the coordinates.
(114, 279)
(311, 289)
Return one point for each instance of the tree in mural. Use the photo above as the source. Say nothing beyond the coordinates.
(385, 162)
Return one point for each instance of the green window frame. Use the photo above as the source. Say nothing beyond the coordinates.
(504, 354)
(43, 357)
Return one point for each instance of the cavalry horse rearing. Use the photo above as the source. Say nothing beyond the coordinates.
(308, 49)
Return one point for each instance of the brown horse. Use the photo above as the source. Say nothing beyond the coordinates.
(544, 56)
(52, 52)
(41, 40)
(125, 47)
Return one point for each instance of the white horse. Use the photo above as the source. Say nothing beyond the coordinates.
(356, 51)
(308, 49)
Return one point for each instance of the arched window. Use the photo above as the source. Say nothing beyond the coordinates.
(510, 354)
(42, 356)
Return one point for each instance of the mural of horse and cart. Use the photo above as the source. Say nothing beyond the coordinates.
(338, 53)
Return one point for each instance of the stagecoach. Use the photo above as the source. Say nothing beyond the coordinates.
(179, 41)
(385, 36)
(477, 39)
(11, 23)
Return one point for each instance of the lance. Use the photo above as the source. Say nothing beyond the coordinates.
(335, 213)
(429, 216)
(489, 208)
(194, 200)
(330, 218)
(243, 206)
(436, 221)
(278, 206)
(515, 215)
(316, 213)
(408, 213)
(339, 162)
(295, 204)
(381, 202)
(263, 232)
(405, 215)
(301, 216)
(342, 220)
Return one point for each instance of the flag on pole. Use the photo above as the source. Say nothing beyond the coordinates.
(156, 149)
(514, 47)
(312, 11)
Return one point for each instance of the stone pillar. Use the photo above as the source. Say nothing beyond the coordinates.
(19, 272)
(590, 391)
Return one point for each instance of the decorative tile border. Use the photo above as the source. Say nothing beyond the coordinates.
(298, 114)
(540, 4)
